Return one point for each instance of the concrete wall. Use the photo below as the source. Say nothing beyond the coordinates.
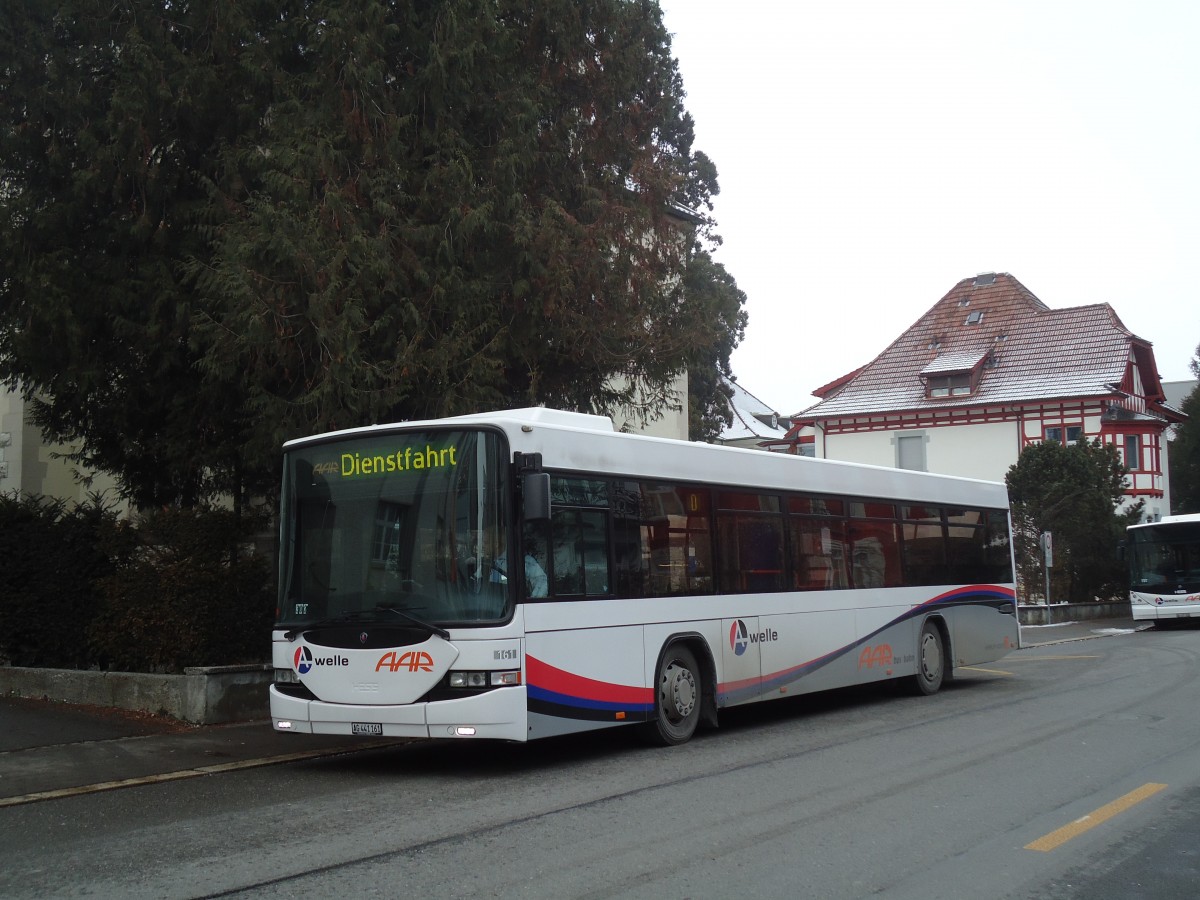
(1035, 614)
(207, 695)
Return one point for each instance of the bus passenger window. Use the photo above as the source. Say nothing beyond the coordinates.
(627, 546)
(818, 553)
(662, 541)
(536, 563)
(580, 552)
(751, 552)
(924, 546)
(997, 550)
(874, 554)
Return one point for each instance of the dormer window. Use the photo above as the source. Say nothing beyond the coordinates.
(957, 384)
(954, 374)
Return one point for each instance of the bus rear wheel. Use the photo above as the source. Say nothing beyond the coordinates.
(931, 661)
(677, 698)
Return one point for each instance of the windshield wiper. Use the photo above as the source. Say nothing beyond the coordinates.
(421, 623)
(368, 615)
(355, 615)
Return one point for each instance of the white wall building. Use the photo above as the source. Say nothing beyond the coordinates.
(985, 372)
(28, 465)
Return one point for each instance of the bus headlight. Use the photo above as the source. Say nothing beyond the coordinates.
(286, 676)
(484, 679)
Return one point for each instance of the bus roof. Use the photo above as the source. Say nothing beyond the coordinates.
(556, 434)
(1168, 520)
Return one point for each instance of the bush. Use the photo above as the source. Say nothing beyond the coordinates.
(191, 593)
(81, 589)
(52, 555)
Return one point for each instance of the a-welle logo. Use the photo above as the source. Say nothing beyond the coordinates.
(740, 637)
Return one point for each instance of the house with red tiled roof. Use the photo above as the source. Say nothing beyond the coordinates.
(985, 372)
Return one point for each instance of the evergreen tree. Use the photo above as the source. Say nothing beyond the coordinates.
(232, 222)
(111, 113)
(1073, 492)
(711, 289)
(1185, 453)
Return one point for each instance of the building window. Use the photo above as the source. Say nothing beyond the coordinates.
(910, 452)
(1074, 433)
(956, 384)
(1133, 456)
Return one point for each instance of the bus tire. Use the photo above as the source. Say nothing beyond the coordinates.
(678, 698)
(931, 660)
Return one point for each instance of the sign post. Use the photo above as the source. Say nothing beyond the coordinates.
(1047, 542)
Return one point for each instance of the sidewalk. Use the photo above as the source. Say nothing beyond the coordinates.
(1082, 630)
(50, 749)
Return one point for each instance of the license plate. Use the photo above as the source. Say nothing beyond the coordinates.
(366, 728)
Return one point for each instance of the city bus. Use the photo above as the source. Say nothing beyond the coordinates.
(655, 583)
(1164, 569)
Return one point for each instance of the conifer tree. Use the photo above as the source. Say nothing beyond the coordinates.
(1076, 493)
(231, 222)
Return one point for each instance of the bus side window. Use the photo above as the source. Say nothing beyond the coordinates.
(579, 536)
(627, 539)
(997, 552)
(580, 552)
(923, 546)
(662, 540)
(536, 568)
(874, 554)
(750, 537)
(818, 549)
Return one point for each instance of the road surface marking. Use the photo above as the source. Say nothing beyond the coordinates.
(981, 669)
(196, 772)
(1103, 814)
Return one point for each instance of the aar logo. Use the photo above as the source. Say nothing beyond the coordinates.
(879, 656)
(303, 660)
(410, 660)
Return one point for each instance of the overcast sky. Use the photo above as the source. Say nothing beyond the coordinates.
(872, 154)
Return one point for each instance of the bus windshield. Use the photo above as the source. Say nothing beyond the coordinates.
(392, 526)
(1166, 555)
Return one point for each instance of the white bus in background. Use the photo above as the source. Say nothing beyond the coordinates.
(1164, 569)
(658, 581)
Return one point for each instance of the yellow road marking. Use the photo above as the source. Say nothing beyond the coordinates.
(217, 768)
(1086, 823)
(981, 669)
(1040, 658)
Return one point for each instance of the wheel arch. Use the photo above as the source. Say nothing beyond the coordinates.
(938, 621)
(698, 644)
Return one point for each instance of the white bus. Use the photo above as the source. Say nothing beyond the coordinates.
(1164, 568)
(659, 581)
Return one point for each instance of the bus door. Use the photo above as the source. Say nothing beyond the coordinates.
(741, 661)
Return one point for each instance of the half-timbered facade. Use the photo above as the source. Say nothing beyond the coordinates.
(985, 372)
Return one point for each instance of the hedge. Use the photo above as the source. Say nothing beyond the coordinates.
(80, 588)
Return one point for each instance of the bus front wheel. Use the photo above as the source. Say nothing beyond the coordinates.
(677, 698)
(931, 660)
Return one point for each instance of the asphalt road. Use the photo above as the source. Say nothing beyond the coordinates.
(1062, 771)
